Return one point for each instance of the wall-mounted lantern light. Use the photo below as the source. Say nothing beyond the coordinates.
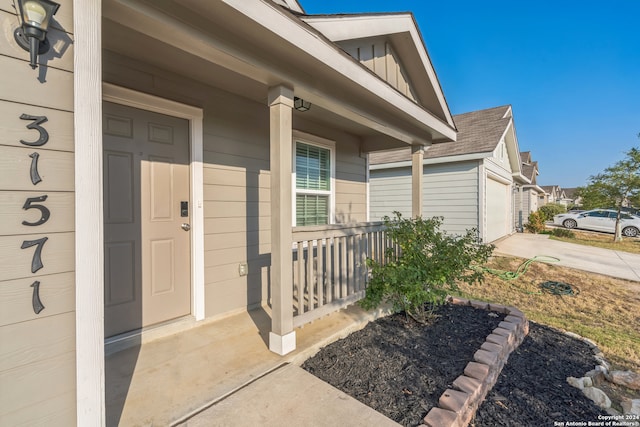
(300, 104)
(35, 16)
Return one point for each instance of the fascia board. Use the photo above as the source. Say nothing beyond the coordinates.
(348, 27)
(285, 25)
(521, 178)
(513, 152)
(277, 21)
(291, 4)
(535, 187)
(434, 161)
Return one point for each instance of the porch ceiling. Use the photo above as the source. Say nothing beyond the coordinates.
(244, 58)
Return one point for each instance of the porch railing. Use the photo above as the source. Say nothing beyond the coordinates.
(329, 266)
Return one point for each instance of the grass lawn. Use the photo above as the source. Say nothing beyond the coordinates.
(603, 240)
(605, 309)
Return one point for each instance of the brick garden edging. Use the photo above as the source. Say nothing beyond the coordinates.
(457, 406)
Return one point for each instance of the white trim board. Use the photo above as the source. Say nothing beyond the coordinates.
(194, 115)
(89, 282)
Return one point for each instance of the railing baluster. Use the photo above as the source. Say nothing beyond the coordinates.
(301, 278)
(343, 269)
(336, 268)
(329, 263)
(356, 263)
(320, 272)
(331, 270)
(310, 276)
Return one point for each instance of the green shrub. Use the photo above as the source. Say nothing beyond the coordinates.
(536, 222)
(551, 209)
(429, 264)
(563, 232)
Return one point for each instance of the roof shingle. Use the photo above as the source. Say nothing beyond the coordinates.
(478, 132)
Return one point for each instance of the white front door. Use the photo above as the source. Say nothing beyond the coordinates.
(146, 218)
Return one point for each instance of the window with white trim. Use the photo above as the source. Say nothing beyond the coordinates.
(313, 165)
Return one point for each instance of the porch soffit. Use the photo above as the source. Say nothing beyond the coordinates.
(401, 31)
(225, 42)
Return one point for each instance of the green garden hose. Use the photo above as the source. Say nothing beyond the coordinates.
(559, 288)
(513, 275)
(551, 287)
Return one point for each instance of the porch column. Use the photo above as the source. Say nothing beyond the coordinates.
(282, 338)
(417, 158)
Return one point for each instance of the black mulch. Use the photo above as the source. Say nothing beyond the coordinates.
(400, 369)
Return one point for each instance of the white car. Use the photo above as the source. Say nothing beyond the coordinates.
(600, 220)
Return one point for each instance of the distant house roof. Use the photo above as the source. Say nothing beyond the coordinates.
(529, 167)
(570, 192)
(478, 132)
(530, 171)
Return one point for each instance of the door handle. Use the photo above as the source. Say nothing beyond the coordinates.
(185, 226)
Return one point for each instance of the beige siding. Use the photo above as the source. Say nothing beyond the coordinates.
(237, 181)
(37, 355)
(379, 56)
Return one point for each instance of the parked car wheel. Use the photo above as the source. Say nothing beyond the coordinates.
(570, 223)
(630, 232)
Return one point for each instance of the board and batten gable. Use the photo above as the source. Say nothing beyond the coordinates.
(236, 181)
(450, 190)
(37, 224)
(378, 55)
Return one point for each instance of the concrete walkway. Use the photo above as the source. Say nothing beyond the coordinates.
(618, 264)
(221, 373)
(289, 396)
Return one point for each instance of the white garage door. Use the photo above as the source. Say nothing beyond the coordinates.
(497, 218)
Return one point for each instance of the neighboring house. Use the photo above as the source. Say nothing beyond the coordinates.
(529, 196)
(158, 165)
(470, 183)
(554, 194)
(571, 198)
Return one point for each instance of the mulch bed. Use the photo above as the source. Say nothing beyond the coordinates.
(400, 368)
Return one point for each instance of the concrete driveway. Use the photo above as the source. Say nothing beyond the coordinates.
(618, 264)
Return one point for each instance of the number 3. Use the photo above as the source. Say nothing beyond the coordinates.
(37, 121)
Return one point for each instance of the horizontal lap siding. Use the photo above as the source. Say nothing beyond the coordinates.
(351, 187)
(390, 190)
(451, 191)
(237, 203)
(37, 350)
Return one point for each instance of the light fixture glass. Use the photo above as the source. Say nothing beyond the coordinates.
(32, 35)
(34, 14)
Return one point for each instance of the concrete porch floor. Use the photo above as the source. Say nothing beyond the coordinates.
(165, 381)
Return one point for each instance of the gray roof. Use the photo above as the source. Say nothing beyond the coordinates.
(570, 192)
(478, 132)
(529, 167)
(529, 171)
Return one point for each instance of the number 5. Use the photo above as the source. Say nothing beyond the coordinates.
(45, 213)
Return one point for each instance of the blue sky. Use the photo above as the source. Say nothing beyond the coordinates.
(569, 68)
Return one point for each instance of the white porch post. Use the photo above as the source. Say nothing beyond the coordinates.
(90, 377)
(417, 160)
(282, 338)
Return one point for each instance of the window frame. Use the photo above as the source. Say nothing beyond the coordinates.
(313, 140)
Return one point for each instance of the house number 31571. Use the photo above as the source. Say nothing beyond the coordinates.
(37, 204)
